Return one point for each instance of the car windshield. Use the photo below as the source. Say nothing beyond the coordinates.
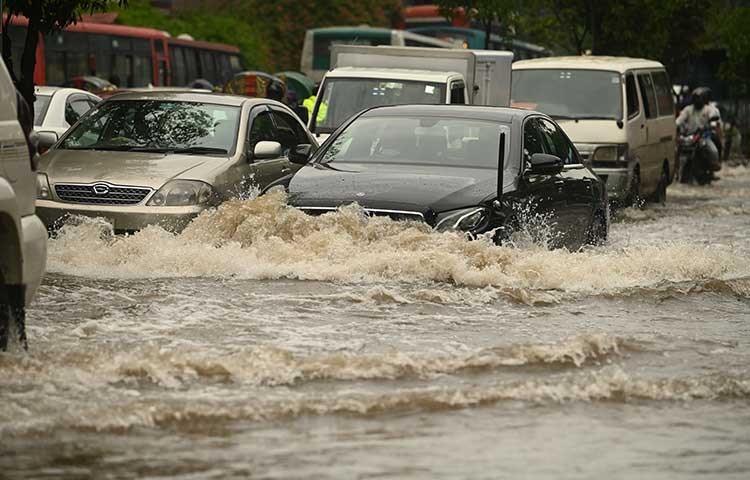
(343, 97)
(569, 94)
(157, 125)
(424, 140)
(41, 104)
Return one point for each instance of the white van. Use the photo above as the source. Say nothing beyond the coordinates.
(619, 112)
(23, 237)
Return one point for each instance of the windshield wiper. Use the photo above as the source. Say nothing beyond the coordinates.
(199, 150)
(105, 147)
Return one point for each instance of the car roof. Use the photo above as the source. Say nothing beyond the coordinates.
(592, 62)
(395, 74)
(50, 90)
(177, 95)
(478, 112)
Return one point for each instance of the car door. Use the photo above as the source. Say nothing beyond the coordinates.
(76, 106)
(245, 177)
(649, 161)
(578, 198)
(543, 200)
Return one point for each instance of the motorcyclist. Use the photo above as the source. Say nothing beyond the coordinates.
(698, 116)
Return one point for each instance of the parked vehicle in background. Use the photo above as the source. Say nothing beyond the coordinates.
(316, 51)
(618, 111)
(161, 158)
(475, 39)
(56, 109)
(125, 56)
(97, 86)
(364, 77)
(457, 168)
(23, 238)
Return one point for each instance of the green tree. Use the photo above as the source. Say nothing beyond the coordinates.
(45, 16)
(731, 33)
(489, 13)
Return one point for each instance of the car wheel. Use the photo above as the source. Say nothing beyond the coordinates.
(634, 195)
(596, 234)
(12, 320)
(660, 196)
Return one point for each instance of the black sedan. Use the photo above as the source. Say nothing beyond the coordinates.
(462, 168)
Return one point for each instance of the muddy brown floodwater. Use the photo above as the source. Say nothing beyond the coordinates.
(266, 344)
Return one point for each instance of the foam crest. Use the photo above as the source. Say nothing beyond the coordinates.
(266, 239)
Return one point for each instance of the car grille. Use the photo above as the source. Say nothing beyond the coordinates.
(398, 215)
(101, 194)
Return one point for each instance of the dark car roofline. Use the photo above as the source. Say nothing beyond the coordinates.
(479, 112)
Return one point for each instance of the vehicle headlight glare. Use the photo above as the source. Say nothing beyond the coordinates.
(43, 190)
(611, 153)
(464, 220)
(181, 193)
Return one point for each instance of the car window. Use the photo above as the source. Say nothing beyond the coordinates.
(632, 96)
(75, 108)
(457, 93)
(556, 143)
(532, 139)
(289, 132)
(41, 104)
(647, 93)
(664, 99)
(261, 130)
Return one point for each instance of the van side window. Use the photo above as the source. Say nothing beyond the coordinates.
(648, 95)
(664, 98)
(631, 95)
(457, 93)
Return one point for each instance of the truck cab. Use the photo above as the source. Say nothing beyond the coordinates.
(346, 91)
(365, 76)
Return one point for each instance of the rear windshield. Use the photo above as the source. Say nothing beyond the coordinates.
(154, 125)
(569, 94)
(41, 104)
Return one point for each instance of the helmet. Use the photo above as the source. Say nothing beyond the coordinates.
(701, 96)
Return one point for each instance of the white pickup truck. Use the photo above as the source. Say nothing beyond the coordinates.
(364, 77)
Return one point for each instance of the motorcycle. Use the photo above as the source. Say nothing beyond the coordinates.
(698, 154)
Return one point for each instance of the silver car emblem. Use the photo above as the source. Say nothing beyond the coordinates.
(101, 189)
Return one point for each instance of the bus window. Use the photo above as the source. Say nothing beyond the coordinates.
(122, 66)
(142, 71)
(192, 68)
(55, 67)
(208, 68)
(179, 69)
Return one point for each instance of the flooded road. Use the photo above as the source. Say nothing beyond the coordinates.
(263, 343)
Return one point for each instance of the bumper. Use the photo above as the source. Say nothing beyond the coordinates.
(34, 245)
(617, 181)
(131, 218)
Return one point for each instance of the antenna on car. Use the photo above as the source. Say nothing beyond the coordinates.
(500, 165)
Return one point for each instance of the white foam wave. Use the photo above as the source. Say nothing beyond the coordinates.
(265, 239)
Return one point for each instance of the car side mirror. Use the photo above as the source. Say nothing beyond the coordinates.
(45, 140)
(301, 154)
(266, 149)
(545, 164)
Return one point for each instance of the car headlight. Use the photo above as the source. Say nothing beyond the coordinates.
(615, 154)
(43, 191)
(181, 193)
(465, 220)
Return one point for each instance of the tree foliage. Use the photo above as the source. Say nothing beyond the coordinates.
(44, 16)
(731, 33)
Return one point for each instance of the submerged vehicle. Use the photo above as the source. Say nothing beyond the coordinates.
(479, 170)
(146, 158)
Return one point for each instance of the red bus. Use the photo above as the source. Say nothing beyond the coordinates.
(429, 16)
(126, 56)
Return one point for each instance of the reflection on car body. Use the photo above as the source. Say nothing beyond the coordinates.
(439, 164)
(161, 158)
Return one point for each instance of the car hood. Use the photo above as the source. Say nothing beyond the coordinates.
(125, 168)
(424, 189)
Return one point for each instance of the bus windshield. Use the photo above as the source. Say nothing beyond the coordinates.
(343, 97)
(569, 94)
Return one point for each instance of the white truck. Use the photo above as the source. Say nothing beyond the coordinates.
(364, 77)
